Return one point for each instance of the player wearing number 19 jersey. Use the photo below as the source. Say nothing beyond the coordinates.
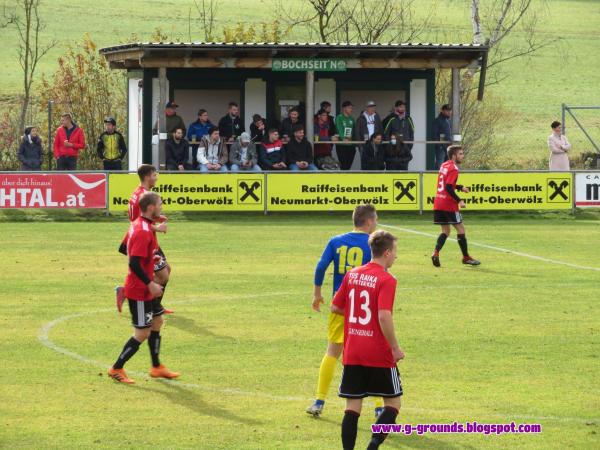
(447, 204)
(371, 350)
(346, 251)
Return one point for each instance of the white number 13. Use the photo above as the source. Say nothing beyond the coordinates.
(364, 295)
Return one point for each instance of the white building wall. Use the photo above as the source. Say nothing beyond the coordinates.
(134, 124)
(325, 90)
(418, 112)
(255, 101)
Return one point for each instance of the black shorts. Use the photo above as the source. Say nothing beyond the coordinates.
(142, 313)
(446, 217)
(362, 381)
(161, 260)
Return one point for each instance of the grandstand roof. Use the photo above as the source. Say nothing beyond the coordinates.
(259, 54)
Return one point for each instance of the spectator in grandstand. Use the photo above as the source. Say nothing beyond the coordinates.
(397, 155)
(368, 123)
(400, 124)
(299, 152)
(325, 132)
(173, 121)
(212, 152)
(373, 154)
(442, 131)
(177, 150)
(258, 129)
(288, 124)
(69, 140)
(30, 150)
(230, 125)
(196, 132)
(272, 153)
(344, 126)
(326, 106)
(243, 156)
(559, 146)
(111, 146)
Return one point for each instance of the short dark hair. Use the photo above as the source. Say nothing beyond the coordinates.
(201, 111)
(453, 150)
(298, 127)
(399, 103)
(321, 111)
(147, 199)
(211, 130)
(362, 213)
(233, 104)
(380, 241)
(294, 109)
(325, 104)
(273, 130)
(145, 170)
(256, 118)
(555, 124)
(446, 107)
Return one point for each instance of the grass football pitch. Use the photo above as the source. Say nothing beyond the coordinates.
(514, 340)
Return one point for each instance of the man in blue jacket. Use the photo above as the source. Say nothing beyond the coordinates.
(196, 132)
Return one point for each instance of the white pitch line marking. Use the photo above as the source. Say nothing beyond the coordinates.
(498, 249)
(44, 338)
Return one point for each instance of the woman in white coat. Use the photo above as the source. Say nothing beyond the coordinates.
(559, 146)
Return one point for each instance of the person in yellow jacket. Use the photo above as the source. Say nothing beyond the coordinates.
(111, 146)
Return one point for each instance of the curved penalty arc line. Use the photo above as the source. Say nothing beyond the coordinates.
(44, 338)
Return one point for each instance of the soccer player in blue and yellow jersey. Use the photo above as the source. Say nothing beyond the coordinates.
(346, 251)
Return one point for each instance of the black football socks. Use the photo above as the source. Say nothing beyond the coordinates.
(349, 429)
(154, 344)
(441, 240)
(462, 243)
(130, 349)
(388, 416)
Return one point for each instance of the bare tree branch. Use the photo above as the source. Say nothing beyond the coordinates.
(207, 12)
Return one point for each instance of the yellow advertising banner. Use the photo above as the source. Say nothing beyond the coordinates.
(194, 192)
(342, 192)
(507, 191)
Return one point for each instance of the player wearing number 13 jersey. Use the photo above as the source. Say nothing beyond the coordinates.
(366, 297)
(346, 251)
(447, 204)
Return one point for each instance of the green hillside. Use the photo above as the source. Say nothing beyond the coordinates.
(531, 94)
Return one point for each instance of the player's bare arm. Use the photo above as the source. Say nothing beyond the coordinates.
(336, 310)
(155, 289)
(317, 299)
(386, 322)
(160, 227)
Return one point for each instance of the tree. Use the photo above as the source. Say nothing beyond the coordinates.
(29, 25)
(207, 13)
(492, 25)
(84, 85)
(368, 21)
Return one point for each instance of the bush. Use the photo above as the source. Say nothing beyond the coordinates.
(85, 86)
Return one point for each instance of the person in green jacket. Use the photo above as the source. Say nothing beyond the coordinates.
(173, 121)
(344, 124)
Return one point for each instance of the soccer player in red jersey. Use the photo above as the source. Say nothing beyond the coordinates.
(142, 292)
(162, 269)
(371, 351)
(447, 205)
